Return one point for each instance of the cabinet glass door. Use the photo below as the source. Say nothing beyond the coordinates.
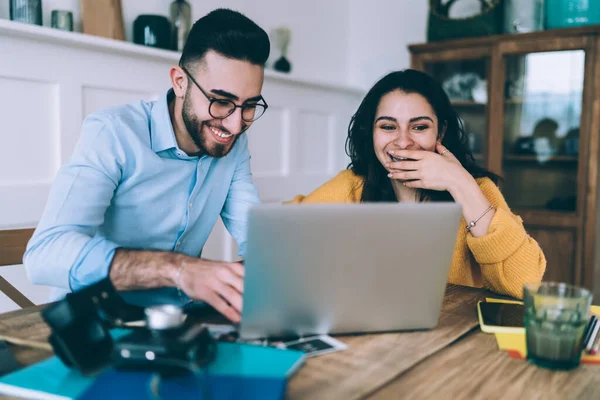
(542, 113)
(466, 83)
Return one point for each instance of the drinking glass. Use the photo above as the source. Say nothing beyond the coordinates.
(555, 318)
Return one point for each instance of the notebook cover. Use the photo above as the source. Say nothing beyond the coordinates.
(141, 386)
(235, 363)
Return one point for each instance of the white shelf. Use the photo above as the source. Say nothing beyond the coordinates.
(75, 39)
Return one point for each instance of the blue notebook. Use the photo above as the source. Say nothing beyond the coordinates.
(238, 368)
(145, 386)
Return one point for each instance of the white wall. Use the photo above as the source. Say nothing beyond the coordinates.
(379, 33)
(319, 28)
(296, 146)
(319, 31)
(341, 41)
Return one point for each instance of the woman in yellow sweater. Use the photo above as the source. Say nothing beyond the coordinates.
(406, 143)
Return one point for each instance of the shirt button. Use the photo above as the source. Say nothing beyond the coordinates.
(190, 204)
(178, 243)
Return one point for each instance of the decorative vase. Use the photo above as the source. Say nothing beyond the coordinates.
(566, 13)
(440, 26)
(282, 38)
(282, 65)
(62, 20)
(28, 11)
(180, 13)
(523, 16)
(153, 31)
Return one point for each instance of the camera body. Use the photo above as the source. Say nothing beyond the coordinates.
(170, 352)
(81, 335)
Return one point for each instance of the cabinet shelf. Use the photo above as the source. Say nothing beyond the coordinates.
(467, 103)
(529, 158)
(515, 101)
(520, 101)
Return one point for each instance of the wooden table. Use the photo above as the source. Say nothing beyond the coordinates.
(454, 361)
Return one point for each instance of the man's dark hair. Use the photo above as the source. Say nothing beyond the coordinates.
(230, 34)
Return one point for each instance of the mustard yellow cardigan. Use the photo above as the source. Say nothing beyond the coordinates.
(502, 261)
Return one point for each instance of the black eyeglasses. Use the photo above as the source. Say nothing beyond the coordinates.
(223, 108)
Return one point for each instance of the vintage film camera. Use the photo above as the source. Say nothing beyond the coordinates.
(81, 334)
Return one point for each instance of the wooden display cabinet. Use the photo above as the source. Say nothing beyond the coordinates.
(530, 104)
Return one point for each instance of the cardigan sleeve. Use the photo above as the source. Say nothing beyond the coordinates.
(508, 256)
(343, 188)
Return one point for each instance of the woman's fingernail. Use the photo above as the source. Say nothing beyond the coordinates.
(390, 175)
(391, 151)
(387, 164)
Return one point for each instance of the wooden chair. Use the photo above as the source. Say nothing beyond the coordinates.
(12, 248)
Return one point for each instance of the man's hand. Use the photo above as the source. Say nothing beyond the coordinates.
(219, 284)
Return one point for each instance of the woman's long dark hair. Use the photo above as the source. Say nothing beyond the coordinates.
(359, 144)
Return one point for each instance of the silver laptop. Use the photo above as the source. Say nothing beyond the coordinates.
(346, 268)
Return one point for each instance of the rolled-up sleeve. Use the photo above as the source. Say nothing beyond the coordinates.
(242, 196)
(67, 250)
(508, 256)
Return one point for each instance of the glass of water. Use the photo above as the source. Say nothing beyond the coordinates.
(555, 318)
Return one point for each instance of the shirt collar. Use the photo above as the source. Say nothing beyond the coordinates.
(162, 135)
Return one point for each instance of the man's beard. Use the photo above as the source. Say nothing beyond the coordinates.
(199, 136)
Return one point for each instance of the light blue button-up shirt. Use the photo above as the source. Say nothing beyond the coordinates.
(129, 185)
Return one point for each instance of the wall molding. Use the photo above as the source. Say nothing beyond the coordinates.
(100, 44)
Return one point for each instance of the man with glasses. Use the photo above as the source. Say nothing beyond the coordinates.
(147, 181)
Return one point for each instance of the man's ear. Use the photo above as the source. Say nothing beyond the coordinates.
(442, 132)
(178, 81)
